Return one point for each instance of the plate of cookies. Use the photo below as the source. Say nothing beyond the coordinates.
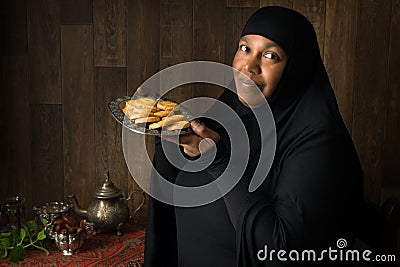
(152, 116)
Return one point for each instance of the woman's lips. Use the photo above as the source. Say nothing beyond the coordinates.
(250, 83)
(247, 82)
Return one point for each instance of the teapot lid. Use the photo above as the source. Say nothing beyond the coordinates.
(107, 190)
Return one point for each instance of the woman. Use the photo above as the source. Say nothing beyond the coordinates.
(311, 194)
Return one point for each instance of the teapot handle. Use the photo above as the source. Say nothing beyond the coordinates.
(130, 197)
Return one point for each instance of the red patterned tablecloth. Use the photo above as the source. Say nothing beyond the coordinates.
(106, 249)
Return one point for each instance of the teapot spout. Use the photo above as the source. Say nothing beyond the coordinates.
(75, 206)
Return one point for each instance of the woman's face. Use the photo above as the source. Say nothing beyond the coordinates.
(262, 61)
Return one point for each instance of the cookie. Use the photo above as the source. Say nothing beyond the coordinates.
(134, 116)
(145, 101)
(179, 125)
(162, 113)
(146, 120)
(156, 125)
(173, 118)
(167, 105)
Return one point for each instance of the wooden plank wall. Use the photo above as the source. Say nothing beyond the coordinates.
(63, 60)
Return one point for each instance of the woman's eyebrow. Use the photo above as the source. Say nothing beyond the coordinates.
(270, 44)
(243, 39)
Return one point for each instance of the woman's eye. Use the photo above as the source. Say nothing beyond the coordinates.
(244, 48)
(270, 55)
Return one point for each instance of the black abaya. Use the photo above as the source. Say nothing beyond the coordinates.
(312, 193)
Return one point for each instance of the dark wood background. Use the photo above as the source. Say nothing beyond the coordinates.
(63, 60)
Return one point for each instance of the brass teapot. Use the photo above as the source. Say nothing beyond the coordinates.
(109, 210)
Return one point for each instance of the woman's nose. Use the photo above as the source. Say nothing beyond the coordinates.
(252, 65)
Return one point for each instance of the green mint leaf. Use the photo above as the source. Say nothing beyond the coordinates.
(29, 234)
(13, 243)
(6, 241)
(41, 235)
(7, 234)
(3, 252)
(17, 254)
(15, 236)
(22, 234)
(44, 221)
(32, 226)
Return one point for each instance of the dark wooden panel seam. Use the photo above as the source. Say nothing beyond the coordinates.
(369, 105)
(47, 153)
(109, 83)
(209, 39)
(15, 178)
(340, 35)
(78, 111)
(391, 149)
(44, 51)
(109, 25)
(143, 45)
(176, 42)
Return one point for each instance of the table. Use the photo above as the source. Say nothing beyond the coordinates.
(105, 249)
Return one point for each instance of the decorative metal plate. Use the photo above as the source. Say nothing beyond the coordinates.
(116, 105)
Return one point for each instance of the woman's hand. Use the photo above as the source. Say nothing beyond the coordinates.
(200, 141)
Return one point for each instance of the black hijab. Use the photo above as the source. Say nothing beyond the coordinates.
(304, 70)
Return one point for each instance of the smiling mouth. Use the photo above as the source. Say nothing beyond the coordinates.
(249, 83)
